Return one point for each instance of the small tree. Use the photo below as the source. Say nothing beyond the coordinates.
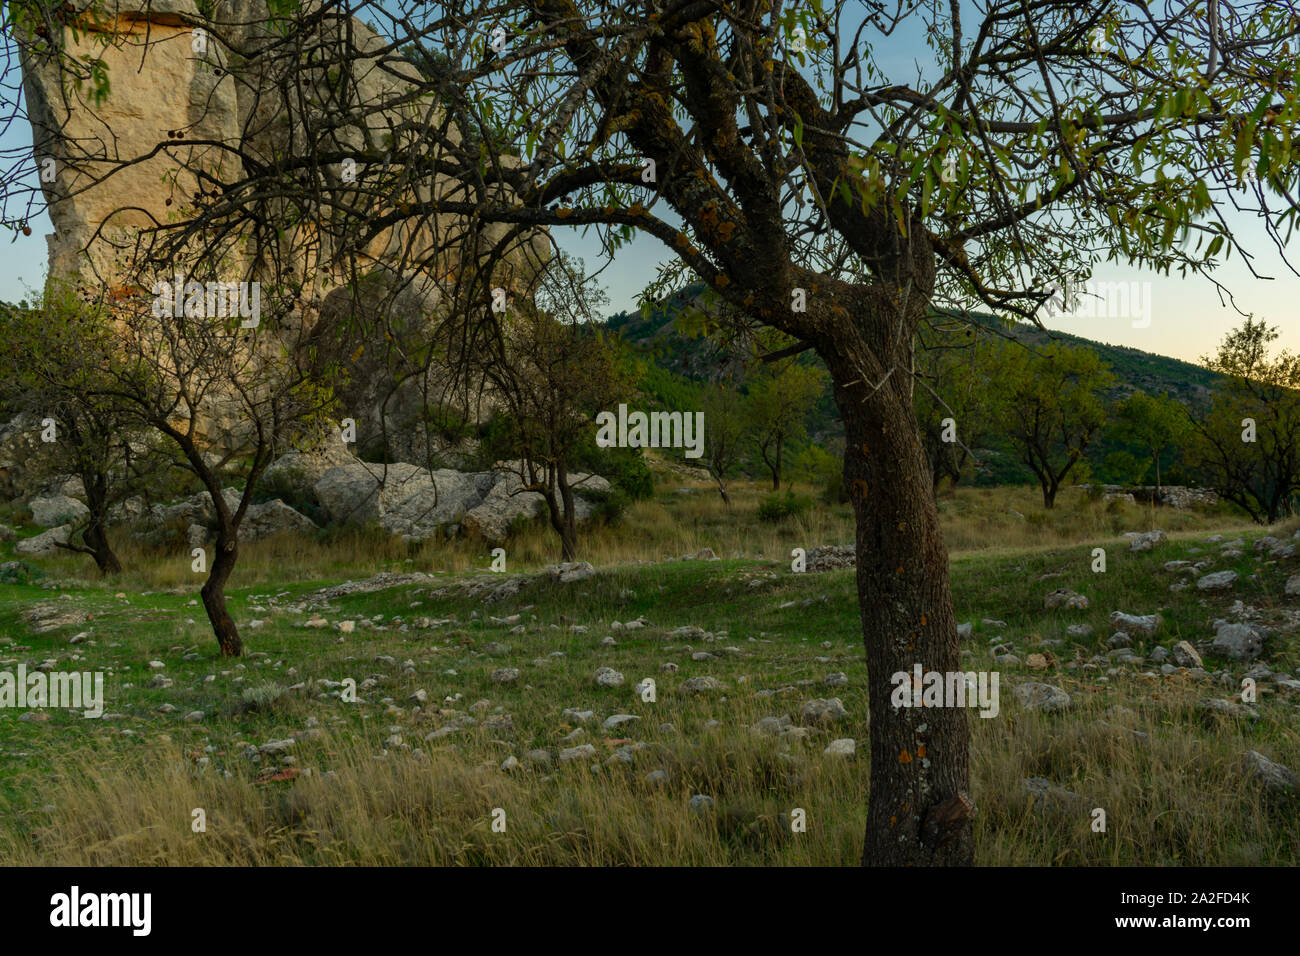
(779, 402)
(552, 375)
(1051, 408)
(51, 361)
(1157, 424)
(229, 397)
(725, 417)
(1248, 445)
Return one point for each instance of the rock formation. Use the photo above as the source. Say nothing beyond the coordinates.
(193, 101)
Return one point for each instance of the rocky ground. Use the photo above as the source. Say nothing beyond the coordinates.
(687, 691)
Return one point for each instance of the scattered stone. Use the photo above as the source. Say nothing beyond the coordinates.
(1147, 540)
(844, 747)
(1079, 631)
(773, 726)
(1273, 776)
(700, 802)
(838, 679)
(580, 752)
(1238, 642)
(608, 677)
(1143, 625)
(572, 571)
(1044, 697)
(617, 720)
(1184, 655)
(698, 685)
(1230, 708)
(822, 711)
(1217, 581)
(1045, 795)
(1066, 600)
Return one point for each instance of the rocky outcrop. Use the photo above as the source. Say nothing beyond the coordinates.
(417, 504)
(216, 73)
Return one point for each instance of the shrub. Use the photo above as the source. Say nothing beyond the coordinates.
(783, 505)
(19, 572)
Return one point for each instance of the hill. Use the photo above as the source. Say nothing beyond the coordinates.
(678, 363)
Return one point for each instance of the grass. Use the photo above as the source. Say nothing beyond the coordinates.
(362, 785)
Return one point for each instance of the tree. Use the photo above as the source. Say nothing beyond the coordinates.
(778, 402)
(1050, 406)
(1248, 445)
(782, 166)
(51, 362)
(725, 419)
(955, 373)
(229, 398)
(553, 375)
(1157, 424)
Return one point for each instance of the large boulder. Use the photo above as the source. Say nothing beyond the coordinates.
(402, 499)
(507, 500)
(46, 543)
(52, 511)
(271, 518)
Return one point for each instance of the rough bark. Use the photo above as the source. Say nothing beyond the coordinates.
(919, 810)
(214, 592)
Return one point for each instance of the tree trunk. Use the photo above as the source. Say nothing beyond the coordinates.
(561, 514)
(722, 490)
(96, 533)
(1049, 496)
(919, 812)
(776, 472)
(214, 592)
(96, 538)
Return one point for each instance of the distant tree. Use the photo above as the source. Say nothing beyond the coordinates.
(953, 371)
(1050, 406)
(1156, 424)
(779, 401)
(1248, 445)
(552, 375)
(725, 418)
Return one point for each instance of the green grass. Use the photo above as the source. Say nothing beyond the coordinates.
(122, 790)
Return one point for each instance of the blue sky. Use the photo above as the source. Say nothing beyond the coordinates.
(1187, 318)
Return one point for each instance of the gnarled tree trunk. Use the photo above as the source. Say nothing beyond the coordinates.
(214, 592)
(919, 810)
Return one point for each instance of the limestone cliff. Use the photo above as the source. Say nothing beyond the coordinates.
(188, 107)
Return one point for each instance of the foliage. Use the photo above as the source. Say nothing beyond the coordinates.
(1050, 406)
(1259, 472)
(785, 504)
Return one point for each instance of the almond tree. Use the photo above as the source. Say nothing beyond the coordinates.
(778, 162)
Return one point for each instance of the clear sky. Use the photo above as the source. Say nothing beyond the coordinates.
(1186, 319)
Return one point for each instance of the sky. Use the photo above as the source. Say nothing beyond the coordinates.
(1170, 315)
